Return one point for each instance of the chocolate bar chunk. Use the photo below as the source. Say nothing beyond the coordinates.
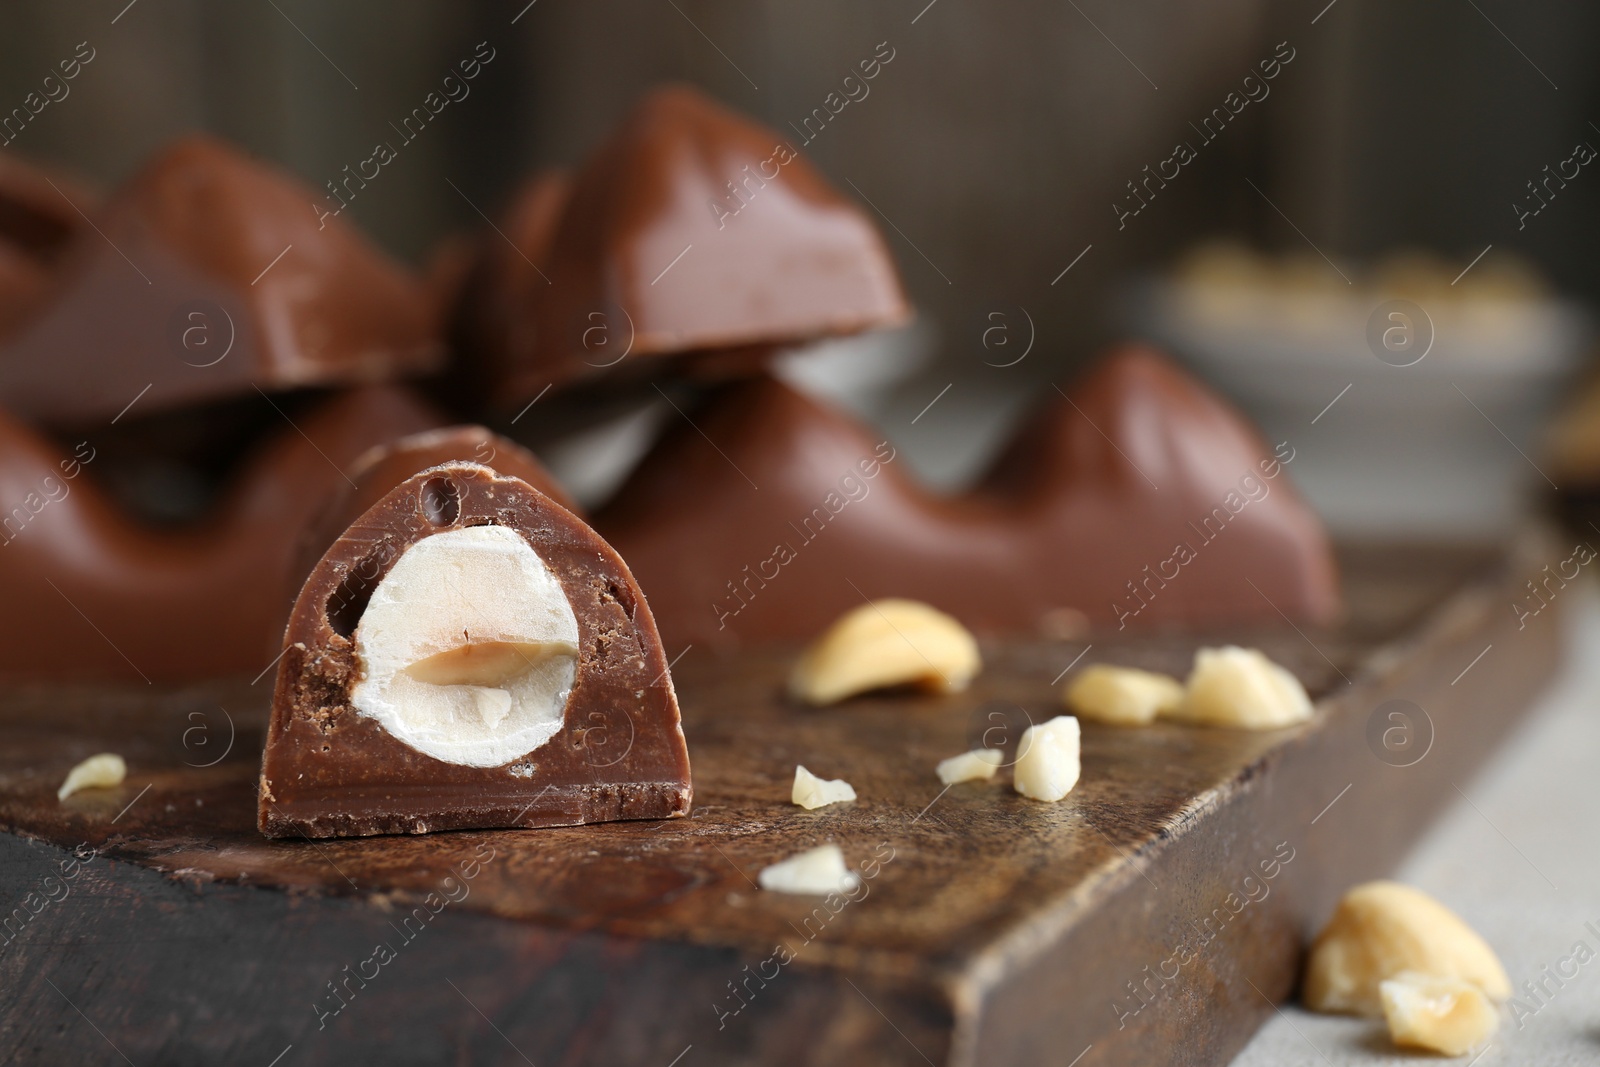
(92, 594)
(470, 654)
(211, 274)
(1143, 499)
(691, 229)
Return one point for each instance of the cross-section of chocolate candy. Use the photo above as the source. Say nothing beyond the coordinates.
(470, 654)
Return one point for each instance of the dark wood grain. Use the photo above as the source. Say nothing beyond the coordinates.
(996, 930)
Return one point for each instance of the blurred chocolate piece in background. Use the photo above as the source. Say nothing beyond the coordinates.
(210, 274)
(96, 595)
(38, 221)
(1142, 499)
(692, 233)
(493, 319)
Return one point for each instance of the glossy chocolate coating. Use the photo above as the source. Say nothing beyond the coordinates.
(184, 290)
(804, 513)
(329, 770)
(94, 595)
(376, 473)
(692, 228)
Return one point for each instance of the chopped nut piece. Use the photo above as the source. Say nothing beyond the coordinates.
(1047, 760)
(818, 870)
(1446, 1015)
(1379, 930)
(1240, 687)
(813, 792)
(969, 766)
(96, 772)
(885, 643)
(1122, 696)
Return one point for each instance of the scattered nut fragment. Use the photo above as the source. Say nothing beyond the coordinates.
(885, 643)
(818, 870)
(1240, 687)
(1380, 929)
(96, 772)
(970, 766)
(1446, 1015)
(1122, 696)
(1047, 760)
(812, 792)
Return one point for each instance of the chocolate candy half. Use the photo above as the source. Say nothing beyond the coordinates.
(470, 654)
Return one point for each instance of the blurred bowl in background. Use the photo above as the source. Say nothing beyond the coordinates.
(1414, 395)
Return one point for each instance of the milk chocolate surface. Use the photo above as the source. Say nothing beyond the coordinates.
(691, 229)
(94, 595)
(212, 274)
(376, 473)
(1144, 499)
(344, 756)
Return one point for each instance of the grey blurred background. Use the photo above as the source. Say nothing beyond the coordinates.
(992, 148)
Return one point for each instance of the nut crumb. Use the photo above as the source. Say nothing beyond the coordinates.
(96, 772)
(980, 763)
(1122, 696)
(820, 870)
(811, 792)
(1447, 1015)
(1047, 761)
(1241, 688)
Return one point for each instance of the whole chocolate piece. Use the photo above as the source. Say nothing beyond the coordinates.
(1144, 499)
(692, 228)
(470, 654)
(93, 595)
(211, 274)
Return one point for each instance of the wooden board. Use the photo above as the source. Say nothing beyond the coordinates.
(994, 930)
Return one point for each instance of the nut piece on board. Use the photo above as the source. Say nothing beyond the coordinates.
(819, 870)
(1447, 1015)
(886, 643)
(1381, 929)
(970, 766)
(1241, 688)
(811, 792)
(96, 772)
(1047, 762)
(1122, 696)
